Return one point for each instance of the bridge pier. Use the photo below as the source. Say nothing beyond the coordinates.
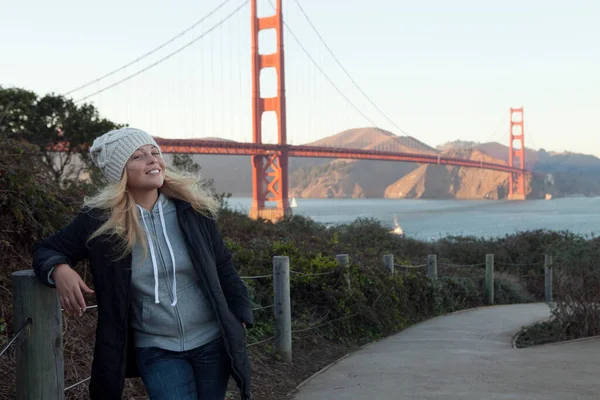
(272, 214)
(269, 172)
(516, 196)
(516, 188)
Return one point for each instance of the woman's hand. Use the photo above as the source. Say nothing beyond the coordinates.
(70, 286)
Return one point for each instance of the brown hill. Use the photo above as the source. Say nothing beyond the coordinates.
(500, 151)
(233, 173)
(450, 182)
(445, 182)
(567, 173)
(319, 177)
(342, 178)
(329, 180)
(366, 139)
(374, 139)
(353, 178)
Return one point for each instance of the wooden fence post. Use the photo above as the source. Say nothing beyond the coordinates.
(432, 266)
(489, 279)
(548, 278)
(283, 311)
(39, 350)
(388, 262)
(344, 261)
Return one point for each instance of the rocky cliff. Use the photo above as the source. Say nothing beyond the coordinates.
(566, 173)
(449, 182)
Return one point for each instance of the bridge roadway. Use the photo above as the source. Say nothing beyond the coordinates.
(193, 146)
(464, 356)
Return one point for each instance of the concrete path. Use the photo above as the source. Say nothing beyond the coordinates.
(467, 355)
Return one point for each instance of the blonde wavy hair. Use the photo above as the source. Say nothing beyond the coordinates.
(123, 216)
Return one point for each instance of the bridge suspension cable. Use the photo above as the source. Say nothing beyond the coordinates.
(180, 34)
(179, 50)
(339, 63)
(311, 58)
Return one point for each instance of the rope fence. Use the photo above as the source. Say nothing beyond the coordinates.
(317, 326)
(521, 265)
(312, 274)
(291, 272)
(461, 265)
(16, 336)
(409, 266)
(39, 308)
(78, 383)
(261, 342)
(263, 307)
(256, 276)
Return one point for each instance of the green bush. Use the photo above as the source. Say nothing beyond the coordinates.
(375, 305)
(508, 290)
(540, 333)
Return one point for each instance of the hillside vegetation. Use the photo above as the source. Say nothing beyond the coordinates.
(375, 305)
(333, 312)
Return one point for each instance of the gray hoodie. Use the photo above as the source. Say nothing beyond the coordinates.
(169, 309)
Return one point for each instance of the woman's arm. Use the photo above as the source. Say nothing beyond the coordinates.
(67, 246)
(234, 289)
(54, 257)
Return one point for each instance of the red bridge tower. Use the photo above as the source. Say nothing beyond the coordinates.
(269, 173)
(516, 189)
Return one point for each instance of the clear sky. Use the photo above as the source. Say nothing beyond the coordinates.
(441, 70)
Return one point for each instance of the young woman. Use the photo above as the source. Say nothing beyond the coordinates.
(171, 307)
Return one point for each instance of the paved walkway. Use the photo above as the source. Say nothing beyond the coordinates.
(466, 355)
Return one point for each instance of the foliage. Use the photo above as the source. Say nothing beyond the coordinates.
(576, 290)
(540, 333)
(374, 305)
(185, 164)
(49, 122)
(30, 205)
(3, 338)
(577, 296)
(303, 177)
(509, 290)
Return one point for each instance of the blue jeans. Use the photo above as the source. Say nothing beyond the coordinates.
(198, 374)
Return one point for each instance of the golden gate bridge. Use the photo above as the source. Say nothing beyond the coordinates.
(269, 161)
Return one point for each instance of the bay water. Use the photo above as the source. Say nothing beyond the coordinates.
(432, 219)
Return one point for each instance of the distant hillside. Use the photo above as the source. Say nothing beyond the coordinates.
(234, 174)
(318, 177)
(500, 151)
(456, 144)
(375, 139)
(450, 182)
(354, 178)
(572, 173)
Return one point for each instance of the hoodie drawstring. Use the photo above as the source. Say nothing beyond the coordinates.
(154, 266)
(162, 222)
(153, 256)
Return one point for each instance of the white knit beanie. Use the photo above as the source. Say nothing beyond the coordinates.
(111, 151)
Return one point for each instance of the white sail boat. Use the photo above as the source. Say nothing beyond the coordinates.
(397, 228)
(293, 203)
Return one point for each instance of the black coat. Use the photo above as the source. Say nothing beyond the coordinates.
(114, 353)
